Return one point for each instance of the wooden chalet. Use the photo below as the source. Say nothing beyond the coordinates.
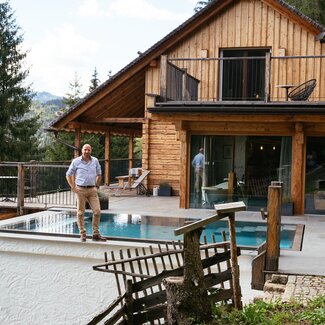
(223, 81)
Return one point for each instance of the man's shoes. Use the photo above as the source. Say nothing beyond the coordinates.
(98, 237)
(83, 237)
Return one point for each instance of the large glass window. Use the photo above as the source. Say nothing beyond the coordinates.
(315, 176)
(243, 78)
(253, 161)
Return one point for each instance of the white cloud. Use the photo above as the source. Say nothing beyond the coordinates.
(58, 56)
(140, 9)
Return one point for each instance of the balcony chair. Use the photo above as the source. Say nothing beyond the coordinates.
(303, 91)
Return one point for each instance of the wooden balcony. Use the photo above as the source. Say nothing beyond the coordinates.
(262, 78)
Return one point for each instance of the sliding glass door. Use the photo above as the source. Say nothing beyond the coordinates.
(251, 160)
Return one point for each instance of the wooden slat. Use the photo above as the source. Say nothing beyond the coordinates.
(222, 210)
(108, 310)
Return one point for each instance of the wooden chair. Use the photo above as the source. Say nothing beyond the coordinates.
(303, 91)
(138, 183)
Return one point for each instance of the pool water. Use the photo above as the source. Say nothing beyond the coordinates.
(147, 227)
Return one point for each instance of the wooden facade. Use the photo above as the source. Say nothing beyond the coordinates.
(132, 102)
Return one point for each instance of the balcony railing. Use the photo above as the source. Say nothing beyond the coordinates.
(252, 78)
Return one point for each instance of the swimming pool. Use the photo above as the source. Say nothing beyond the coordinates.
(126, 226)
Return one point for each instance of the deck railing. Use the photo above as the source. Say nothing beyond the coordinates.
(45, 184)
(252, 78)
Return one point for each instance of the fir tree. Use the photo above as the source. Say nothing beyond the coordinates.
(17, 130)
(94, 82)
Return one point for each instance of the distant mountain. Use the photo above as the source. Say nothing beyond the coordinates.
(44, 97)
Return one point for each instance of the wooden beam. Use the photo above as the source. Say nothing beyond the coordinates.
(222, 211)
(100, 128)
(129, 120)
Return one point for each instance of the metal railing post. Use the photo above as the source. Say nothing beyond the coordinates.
(20, 189)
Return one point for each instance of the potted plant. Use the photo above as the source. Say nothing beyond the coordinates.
(103, 199)
(164, 189)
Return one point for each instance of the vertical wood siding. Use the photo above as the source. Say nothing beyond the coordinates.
(249, 24)
(244, 24)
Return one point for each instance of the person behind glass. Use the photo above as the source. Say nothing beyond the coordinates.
(198, 164)
(84, 176)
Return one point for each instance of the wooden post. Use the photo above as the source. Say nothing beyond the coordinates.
(184, 171)
(129, 301)
(32, 178)
(163, 77)
(273, 228)
(20, 189)
(234, 261)
(231, 184)
(130, 151)
(107, 158)
(298, 169)
(267, 76)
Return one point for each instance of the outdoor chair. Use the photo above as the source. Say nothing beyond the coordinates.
(125, 184)
(303, 91)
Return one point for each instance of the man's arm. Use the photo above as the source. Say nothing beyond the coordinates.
(71, 181)
(98, 180)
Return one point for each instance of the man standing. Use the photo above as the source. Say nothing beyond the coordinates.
(198, 164)
(84, 176)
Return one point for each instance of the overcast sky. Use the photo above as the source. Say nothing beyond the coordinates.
(69, 37)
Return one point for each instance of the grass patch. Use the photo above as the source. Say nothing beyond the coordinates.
(275, 313)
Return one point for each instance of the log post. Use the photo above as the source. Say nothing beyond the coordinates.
(129, 301)
(234, 261)
(273, 228)
(187, 297)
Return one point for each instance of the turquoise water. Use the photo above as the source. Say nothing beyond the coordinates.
(148, 227)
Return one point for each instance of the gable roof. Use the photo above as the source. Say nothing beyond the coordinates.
(137, 66)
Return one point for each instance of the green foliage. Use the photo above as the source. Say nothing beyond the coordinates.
(17, 129)
(201, 4)
(94, 82)
(314, 9)
(75, 93)
(275, 313)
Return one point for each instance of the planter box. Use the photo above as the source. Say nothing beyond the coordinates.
(164, 191)
(287, 209)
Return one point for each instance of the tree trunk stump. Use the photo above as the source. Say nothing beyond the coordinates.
(187, 297)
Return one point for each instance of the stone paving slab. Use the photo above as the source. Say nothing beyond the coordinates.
(300, 288)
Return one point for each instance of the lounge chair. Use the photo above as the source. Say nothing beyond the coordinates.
(138, 183)
(125, 184)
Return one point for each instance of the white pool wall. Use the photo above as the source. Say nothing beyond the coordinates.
(50, 280)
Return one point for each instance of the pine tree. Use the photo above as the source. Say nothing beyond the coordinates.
(314, 9)
(75, 92)
(94, 82)
(17, 130)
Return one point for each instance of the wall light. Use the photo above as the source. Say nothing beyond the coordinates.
(261, 148)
